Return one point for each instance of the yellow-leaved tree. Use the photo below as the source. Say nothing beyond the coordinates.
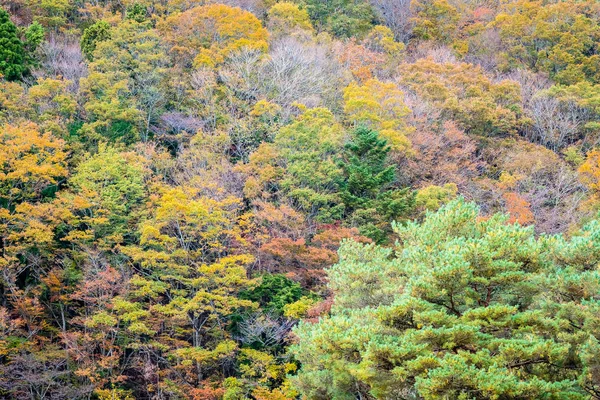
(207, 35)
(379, 106)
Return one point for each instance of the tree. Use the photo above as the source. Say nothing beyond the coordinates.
(207, 35)
(558, 38)
(396, 14)
(465, 94)
(465, 306)
(365, 169)
(188, 282)
(273, 293)
(367, 190)
(107, 191)
(286, 18)
(123, 89)
(300, 163)
(32, 162)
(434, 19)
(92, 35)
(344, 18)
(381, 107)
(52, 14)
(13, 63)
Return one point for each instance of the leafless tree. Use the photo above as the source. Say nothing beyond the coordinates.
(555, 123)
(555, 196)
(438, 52)
(530, 82)
(264, 330)
(61, 57)
(293, 71)
(485, 49)
(297, 71)
(241, 73)
(396, 15)
(26, 376)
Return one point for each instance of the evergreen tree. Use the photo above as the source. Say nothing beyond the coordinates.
(367, 189)
(366, 169)
(12, 50)
(464, 308)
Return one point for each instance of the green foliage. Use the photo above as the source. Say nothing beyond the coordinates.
(366, 170)
(344, 18)
(34, 35)
(367, 189)
(107, 192)
(177, 177)
(274, 292)
(137, 12)
(92, 35)
(122, 90)
(465, 307)
(301, 163)
(13, 61)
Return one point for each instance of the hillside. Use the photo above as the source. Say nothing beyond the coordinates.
(301, 199)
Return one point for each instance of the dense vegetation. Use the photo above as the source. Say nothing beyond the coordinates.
(275, 200)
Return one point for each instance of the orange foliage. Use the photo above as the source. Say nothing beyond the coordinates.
(590, 171)
(305, 261)
(320, 309)
(208, 391)
(361, 61)
(518, 208)
(445, 157)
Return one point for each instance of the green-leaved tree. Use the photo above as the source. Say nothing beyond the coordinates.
(465, 307)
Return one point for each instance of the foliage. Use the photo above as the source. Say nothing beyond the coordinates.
(287, 17)
(465, 94)
(274, 293)
(12, 51)
(178, 177)
(381, 107)
(31, 161)
(435, 19)
(107, 189)
(367, 191)
(344, 18)
(433, 197)
(301, 163)
(559, 38)
(123, 86)
(92, 35)
(478, 309)
(207, 35)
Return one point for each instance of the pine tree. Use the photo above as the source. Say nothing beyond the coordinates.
(370, 199)
(12, 50)
(462, 307)
(366, 169)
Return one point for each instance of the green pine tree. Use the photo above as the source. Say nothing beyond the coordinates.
(367, 191)
(12, 50)
(462, 308)
(366, 168)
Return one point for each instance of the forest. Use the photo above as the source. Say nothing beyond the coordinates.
(299, 199)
